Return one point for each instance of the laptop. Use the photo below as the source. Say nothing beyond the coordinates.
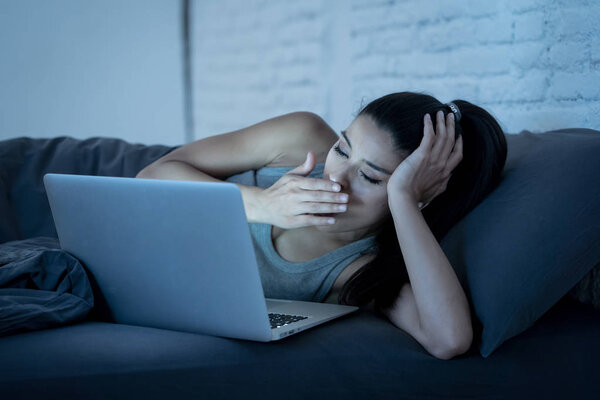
(174, 255)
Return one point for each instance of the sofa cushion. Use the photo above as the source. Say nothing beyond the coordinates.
(24, 209)
(534, 237)
(357, 356)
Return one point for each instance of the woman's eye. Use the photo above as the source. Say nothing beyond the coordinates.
(339, 151)
(371, 180)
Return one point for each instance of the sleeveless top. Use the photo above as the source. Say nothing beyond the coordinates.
(308, 280)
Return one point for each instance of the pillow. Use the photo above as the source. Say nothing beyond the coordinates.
(24, 209)
(532, 238)
(587, 291)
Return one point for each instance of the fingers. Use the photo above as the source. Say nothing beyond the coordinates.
(307, 219)
(307, 207)
(318, 184)
(300, 200)
(449, 142)
(428, 134)
(439, 135)
(443, 141)
(323, 197)
(306, 167)
(317, 196)
(456, 155)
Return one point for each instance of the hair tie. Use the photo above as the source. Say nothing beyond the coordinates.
(455, 110)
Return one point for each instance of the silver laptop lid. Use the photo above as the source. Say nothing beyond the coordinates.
(166, 254)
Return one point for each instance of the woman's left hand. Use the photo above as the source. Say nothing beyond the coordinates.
(424, 174)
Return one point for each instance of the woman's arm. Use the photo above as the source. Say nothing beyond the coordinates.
(434, 306)
(180, 170)
(281, 141)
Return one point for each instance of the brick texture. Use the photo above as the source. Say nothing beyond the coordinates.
(533, 64)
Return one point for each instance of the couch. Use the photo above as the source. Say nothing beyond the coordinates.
(519, 255)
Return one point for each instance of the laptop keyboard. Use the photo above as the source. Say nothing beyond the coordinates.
(278, 320)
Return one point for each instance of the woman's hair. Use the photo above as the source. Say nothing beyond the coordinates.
(484, 155)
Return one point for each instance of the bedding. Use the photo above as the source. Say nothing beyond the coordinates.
(41, 286)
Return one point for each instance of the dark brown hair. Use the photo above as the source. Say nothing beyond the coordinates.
(484, 155)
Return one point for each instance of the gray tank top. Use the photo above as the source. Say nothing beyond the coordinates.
(309, 280)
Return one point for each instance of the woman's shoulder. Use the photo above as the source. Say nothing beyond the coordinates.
(316, 136)
(280, 141)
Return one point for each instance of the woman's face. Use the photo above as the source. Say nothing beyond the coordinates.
(361, 161)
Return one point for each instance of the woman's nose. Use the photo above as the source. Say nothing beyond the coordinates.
(339, 177)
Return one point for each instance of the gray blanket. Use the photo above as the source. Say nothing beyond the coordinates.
(41, 286)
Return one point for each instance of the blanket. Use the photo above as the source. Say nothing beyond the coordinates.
(41, 286)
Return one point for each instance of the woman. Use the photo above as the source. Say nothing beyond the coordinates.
(392, 185)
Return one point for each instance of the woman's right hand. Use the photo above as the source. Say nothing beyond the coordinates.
(295, 200)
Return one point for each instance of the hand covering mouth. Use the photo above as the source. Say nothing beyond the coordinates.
(327, 215)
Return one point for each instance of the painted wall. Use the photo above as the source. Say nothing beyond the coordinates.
(91, 68)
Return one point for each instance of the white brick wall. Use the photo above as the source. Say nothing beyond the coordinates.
(534, 64)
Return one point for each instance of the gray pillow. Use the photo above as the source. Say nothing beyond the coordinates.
(532, 238)
(24, 209)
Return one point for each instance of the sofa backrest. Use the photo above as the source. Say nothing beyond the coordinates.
(24, 208)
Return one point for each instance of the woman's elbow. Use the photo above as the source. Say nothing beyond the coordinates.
(456, 349)
(145, 172)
